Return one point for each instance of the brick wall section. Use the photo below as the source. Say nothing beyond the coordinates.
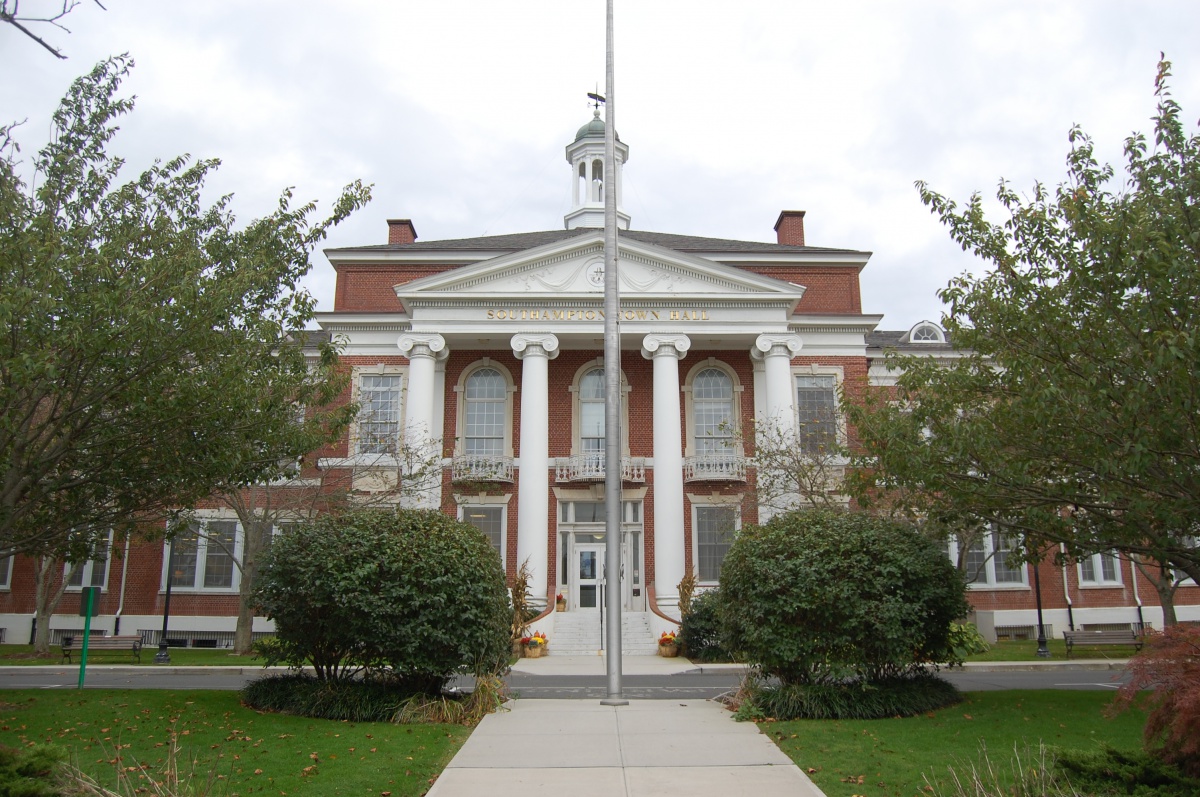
(833, 290)
(370, 288)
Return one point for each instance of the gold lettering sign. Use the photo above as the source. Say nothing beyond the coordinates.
(497, 314)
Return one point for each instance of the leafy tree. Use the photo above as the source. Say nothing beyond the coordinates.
(412, 594)
(823, 597)
(152, 352)
(1073, 415)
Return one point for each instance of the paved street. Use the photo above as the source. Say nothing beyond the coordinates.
(690, 684)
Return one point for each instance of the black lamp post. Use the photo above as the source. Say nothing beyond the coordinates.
(163, 657)
(1043, 652)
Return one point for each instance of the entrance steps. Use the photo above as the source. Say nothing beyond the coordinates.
(577, 633)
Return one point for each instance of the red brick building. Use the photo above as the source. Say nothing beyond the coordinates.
(488, 351)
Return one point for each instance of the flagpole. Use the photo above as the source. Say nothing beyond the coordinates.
(612, 389)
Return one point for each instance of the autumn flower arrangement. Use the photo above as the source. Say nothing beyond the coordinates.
(667, 638)
(536, 639)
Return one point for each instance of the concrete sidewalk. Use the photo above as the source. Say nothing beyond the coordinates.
(650, 747)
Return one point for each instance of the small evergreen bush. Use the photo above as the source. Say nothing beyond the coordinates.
(1135, 773)
(904, 696)
(31, 772)
(345, 699)
(828, 597)
(413, 595)
(700, 632)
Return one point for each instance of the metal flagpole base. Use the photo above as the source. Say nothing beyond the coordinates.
(614, 701)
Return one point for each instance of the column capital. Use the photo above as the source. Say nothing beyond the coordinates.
(430, 345)
(534, 344)
(776, 345)
(665, 346)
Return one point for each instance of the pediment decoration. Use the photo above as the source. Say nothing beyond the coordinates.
(575, 268)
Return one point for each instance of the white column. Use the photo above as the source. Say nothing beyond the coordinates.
(423, 352)
(665, 351)
(533, 498)
(776, 352)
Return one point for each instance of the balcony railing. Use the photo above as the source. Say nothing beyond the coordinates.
(482, 468)
(724, 467)
(590, 468)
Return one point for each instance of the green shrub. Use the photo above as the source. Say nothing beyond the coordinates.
(965, 640)
(904, 696)
(700, 632)
(416, 595)
(1110, 771)
(824, 596)
(351, 700)
(30, 772)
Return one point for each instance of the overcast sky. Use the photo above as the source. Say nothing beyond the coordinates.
(458, 112)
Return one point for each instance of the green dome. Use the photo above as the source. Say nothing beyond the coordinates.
(592, 128)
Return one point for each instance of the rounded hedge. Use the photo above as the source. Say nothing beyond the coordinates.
(414, 594)
(822, 596)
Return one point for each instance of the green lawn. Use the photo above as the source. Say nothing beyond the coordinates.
(268, 753)
(890, 756)
(21, 655)
(1021, 650)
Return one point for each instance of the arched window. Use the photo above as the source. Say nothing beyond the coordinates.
(591, 412)
(484, 421)
(712, 413)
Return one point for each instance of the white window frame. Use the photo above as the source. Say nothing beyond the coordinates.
(733, 444)
(939, 334)
(6, 569)
(466, 503)
(577, 410)
(460, 389)
(988, 575)
(202, 543)
(1098, 578)
(839, 420)
(86, 569)
(357, 447)
(719, 502)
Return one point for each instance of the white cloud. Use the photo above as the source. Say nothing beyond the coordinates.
(458, 112)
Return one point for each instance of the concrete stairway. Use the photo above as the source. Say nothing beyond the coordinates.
(577, 633)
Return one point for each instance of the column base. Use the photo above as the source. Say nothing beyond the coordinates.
(669, 605)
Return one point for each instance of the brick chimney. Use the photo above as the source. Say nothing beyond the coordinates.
(789, 229)
(402, 231)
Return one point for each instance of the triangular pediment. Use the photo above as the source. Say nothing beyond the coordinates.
(575, 269)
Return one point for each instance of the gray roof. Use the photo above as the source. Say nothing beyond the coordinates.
(529, 240)
(891, 339)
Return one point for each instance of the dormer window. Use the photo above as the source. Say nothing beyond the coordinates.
(926, 332)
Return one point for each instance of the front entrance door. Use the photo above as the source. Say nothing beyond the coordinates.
(589, 570)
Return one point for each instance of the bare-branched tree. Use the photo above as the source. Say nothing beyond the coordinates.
(47, 13)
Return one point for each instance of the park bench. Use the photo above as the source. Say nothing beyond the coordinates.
(1096, 638)
(103, 643)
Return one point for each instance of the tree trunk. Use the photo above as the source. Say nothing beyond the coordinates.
(48, 594)
(257, 537)
(1163, 579)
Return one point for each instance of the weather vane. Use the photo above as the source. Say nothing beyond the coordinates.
(596, 97)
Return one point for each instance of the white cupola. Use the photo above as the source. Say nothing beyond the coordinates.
(588, 183)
